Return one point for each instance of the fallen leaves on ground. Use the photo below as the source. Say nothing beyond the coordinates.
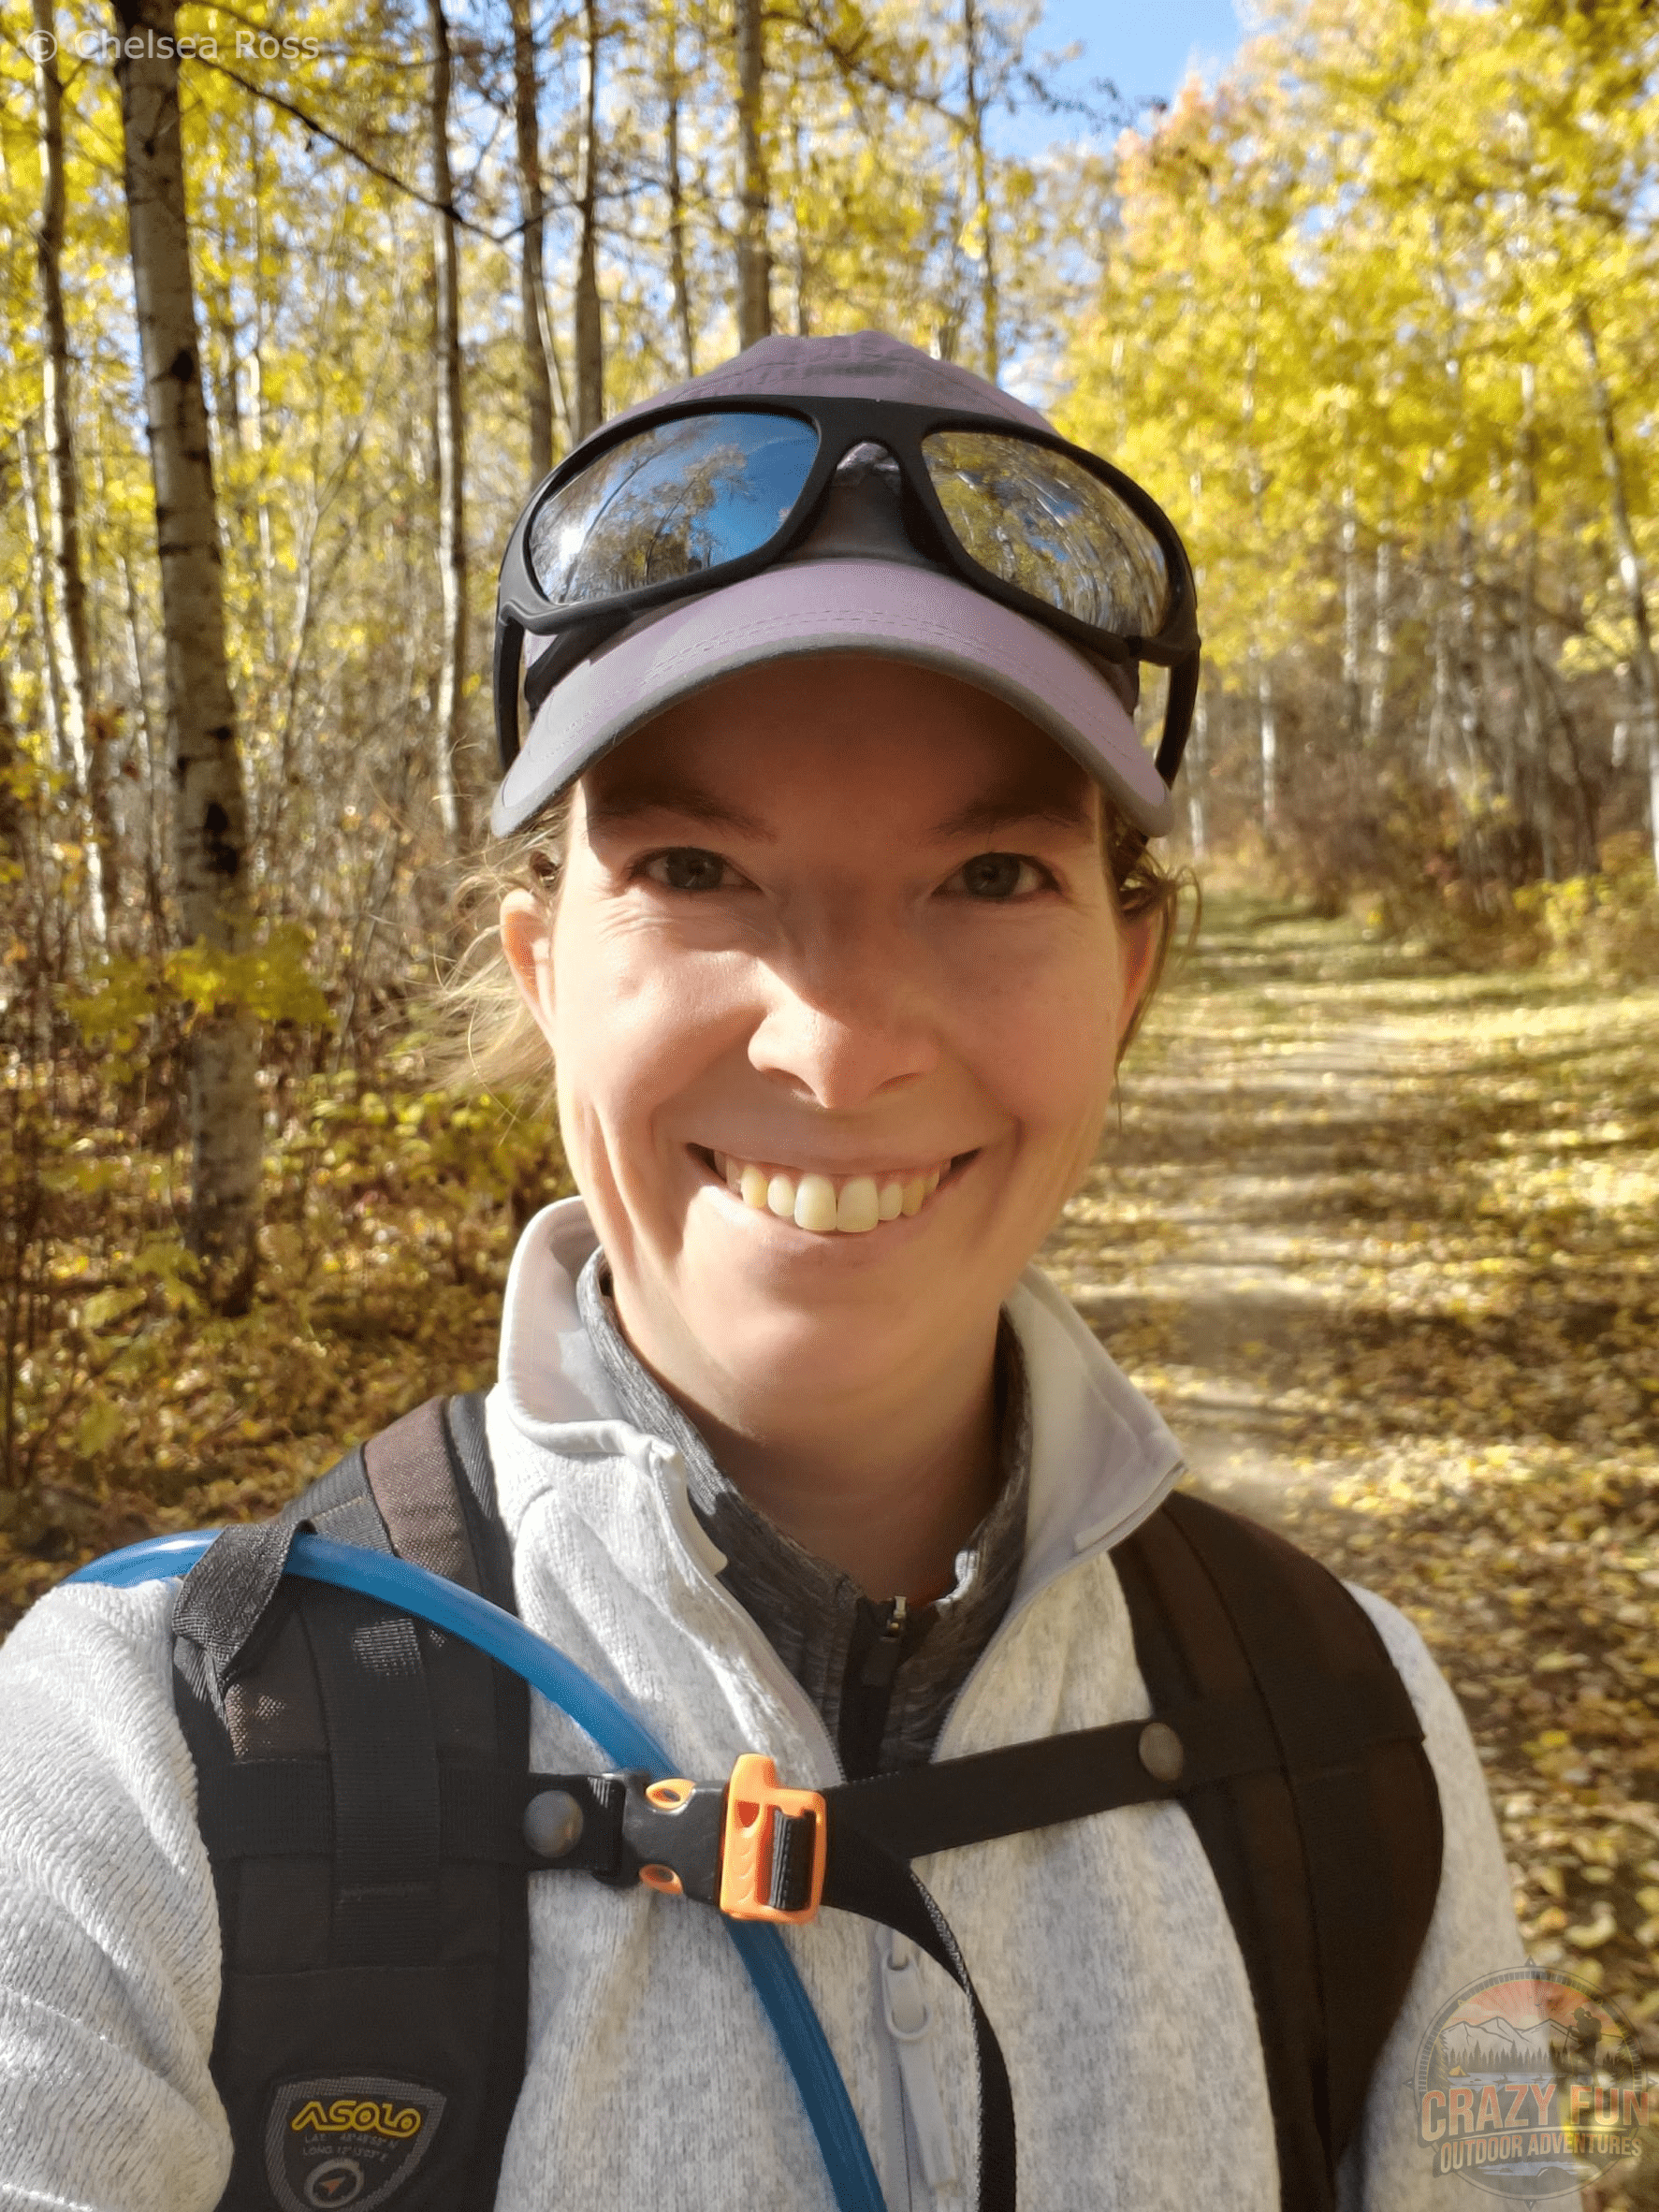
(390, 1217)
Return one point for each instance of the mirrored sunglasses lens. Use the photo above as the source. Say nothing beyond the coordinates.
(680, 498)
(1038, 519)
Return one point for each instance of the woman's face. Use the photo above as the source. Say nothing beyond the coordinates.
(842, 920)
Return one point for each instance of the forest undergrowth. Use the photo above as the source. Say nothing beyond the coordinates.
(1379, 1239)
(1377, 1234)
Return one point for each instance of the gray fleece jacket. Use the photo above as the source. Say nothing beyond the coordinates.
(1102, 1948)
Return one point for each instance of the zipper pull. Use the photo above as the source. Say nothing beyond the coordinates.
(881, 1662)
(909, 2018)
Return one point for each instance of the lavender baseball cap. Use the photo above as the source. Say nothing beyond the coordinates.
(856, 585)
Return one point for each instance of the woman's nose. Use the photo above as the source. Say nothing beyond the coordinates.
(846, 1016)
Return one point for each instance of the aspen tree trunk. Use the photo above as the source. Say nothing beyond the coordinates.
(1644, 672)
(1382, 639)
(1267, 721)
(1436, 750)
(210, 817)
(1352, 716)
(1510, 840)
(51, 689)
(11, 817)
(1199, 749)
(268, 584)
(1585, 794)
(448, 730)
(754, 260)
(533, 283)
(990, 305)
(1471, 703)
(589, 328)
(800, 252)
(87, 752)
(1198, 744)
(152, 740)
(676, 198)
(1526, 657)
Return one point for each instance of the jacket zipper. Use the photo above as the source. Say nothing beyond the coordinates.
(867, 1688)
(908, 2020)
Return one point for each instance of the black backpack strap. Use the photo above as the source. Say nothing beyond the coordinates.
(1329, 1864)
(362, 1783)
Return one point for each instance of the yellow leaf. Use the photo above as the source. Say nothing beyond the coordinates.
(1591, 1934)
(97, 1427)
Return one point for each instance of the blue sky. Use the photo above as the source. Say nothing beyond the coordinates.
(1145, 47)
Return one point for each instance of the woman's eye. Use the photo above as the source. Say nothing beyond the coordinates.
(687, 868)
(1000, 876)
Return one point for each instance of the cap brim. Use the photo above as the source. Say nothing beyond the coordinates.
(879, 607)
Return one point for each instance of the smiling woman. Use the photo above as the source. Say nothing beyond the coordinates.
(825, 905)
(849, 924)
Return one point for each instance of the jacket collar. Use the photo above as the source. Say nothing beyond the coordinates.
(1102, 1457)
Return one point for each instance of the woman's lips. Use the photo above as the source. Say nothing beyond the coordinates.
(849, 1205)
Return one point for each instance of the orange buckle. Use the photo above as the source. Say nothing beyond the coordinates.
(764, 1873)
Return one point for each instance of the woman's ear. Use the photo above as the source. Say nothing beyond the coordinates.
(1141, 944)
(527, 940)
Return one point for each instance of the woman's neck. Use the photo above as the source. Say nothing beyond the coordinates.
(887, 1483)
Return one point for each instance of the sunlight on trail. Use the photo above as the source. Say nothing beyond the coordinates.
(1381, 1243)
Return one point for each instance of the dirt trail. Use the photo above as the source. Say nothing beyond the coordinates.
(1380, 1241)
(1327, 1172)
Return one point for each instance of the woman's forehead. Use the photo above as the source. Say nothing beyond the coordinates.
(813, 728)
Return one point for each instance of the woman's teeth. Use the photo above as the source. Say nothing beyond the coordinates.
(850, 1204)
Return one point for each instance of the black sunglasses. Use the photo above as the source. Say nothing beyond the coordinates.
(670, 502)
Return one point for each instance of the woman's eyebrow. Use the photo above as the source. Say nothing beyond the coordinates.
(691, 801)
(999, 810)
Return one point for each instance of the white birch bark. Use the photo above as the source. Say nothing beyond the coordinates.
(51, 688)
(87, 752)
(1197, 765)
(1525, 640)
(533, 287)
(1382, 639)
(754, 259)
(210, 808)
(449, 720)
(984, 229)
(590, 328)
(1644, 671)
(673, 92)
(1352, 705)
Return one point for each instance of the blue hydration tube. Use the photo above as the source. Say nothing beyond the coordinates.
(623, 1740)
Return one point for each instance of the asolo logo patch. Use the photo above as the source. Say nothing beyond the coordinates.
(353, 2139)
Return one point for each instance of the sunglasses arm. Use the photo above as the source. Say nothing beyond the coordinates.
(1178, 710)
(509, 655)
(557, 659)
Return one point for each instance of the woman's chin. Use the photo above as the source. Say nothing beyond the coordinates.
(780, 1352)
